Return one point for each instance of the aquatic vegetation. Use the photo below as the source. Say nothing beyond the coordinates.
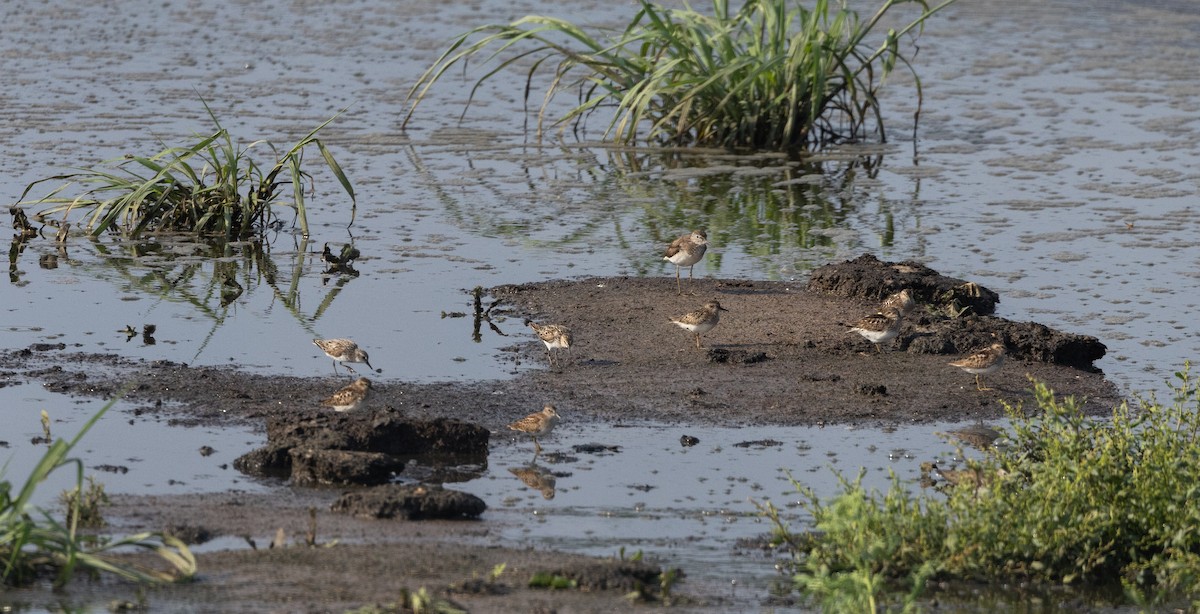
(766, 76)
(545, 579)
(30, 548)
(210, 187)
(1073, 501)
(86, 503)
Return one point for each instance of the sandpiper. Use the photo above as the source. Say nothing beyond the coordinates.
(343, 351)
(351, 397)
(901, 301)
(537, 424)
(879, 328)
(555, 336)
(686, 251)
(702, 320)
(984, 362)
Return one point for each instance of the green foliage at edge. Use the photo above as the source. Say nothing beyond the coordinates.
(1073, 500)
(29, 547)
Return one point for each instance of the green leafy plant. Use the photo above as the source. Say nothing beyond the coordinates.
(766, 76)
(30, 547)
(544, 579)
(497, 570)
(1073, 500)
(210, 187)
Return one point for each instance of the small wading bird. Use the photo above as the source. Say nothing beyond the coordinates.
(350, 397)
(702, 320)
(879, 328)
(983, 362)
(343, 351)
(686, 251)
(537, 424)
(901, 301)
(555, 336)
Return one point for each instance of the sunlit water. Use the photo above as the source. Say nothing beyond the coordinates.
(1057, 170)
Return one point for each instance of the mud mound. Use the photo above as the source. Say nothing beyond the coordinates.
(866, 278)
(324, 447)
(410, 502)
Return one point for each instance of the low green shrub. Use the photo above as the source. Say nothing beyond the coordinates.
(1074, 500)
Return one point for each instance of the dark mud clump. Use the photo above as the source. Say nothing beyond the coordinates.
(1022, 340)
(360, 447)
(312, 466)
(866, 278)
(607, 575)
(410, 502)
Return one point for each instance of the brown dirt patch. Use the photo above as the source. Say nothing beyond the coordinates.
(780, 355)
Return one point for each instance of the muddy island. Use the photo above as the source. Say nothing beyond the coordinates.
(781, 355)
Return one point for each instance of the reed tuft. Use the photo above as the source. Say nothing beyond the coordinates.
(212, 187)
(770, 75)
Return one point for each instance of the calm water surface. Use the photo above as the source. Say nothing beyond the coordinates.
(1057, 170)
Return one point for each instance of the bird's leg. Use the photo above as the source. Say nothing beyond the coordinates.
(537, 447)
(979, 384)
(678, 284)
(698, 346)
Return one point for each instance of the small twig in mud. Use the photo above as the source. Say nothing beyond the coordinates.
(482, 315)
(46, 427)
(311, 537)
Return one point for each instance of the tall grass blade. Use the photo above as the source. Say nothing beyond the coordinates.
(26, 544)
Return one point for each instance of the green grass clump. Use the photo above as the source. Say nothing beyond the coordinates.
(212, 187)
(771, 75)
(31, 548)
(1073, 501)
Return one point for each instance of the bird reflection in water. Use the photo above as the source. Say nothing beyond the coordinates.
(537, 478)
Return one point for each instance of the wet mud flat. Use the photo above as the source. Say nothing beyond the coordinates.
(781, 355)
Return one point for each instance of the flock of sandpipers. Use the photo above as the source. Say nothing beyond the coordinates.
(685, 251)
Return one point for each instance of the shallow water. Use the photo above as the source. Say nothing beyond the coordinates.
(1049, 175)
(1056, 170)
(632, 488)
(684, 506)
(124, 451)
